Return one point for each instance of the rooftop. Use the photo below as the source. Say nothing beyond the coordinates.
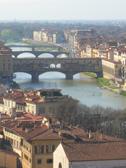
(41, 127)
(33, 96)
(94, 152)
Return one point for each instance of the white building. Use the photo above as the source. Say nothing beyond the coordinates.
(33, 102)
(37, 35)
(90, 155)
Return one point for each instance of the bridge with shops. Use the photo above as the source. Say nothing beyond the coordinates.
(69, 66)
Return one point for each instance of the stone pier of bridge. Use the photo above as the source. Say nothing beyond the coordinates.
(35, 77)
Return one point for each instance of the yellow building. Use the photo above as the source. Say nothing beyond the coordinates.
(8, 159)
(15, 130)
(111, 70)
(34, 146)
(120, 56)
(35, 140)
(38, 148)
(89, 52)
(14, 138)
(95, 53)
(12, 102)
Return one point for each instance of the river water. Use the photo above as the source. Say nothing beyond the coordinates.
(83, 88)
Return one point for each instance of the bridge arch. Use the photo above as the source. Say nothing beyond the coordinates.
(90, 74)
(46, 55)
(58, 65)
(62, 56)
(52, 66)
(13, 56)
(55, 66)
(26, 55)
(22, 77)
(52, 75)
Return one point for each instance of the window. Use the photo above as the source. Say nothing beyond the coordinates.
(60, 165)
(49, 161)
(26, 157)
(39, 161)
(47, 149)
(41, 149)
(35, 149)
(50, 148)
(53, 148)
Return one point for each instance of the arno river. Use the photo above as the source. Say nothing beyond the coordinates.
(83, 88)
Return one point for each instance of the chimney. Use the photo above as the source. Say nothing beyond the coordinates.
(38, 93)
(89, 135)
(59, 133)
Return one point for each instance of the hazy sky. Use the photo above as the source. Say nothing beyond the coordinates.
(62, 9)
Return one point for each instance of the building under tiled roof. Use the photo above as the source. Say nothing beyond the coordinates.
(95, 151)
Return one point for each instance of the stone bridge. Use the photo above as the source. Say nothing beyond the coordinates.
(68, 66)
(37, 50)
(37, 53)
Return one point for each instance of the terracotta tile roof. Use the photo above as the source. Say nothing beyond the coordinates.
(23, 125)
(48, 134)
(30, 127)
(30, 117)
(80, 135)
(34, 96)
(31, 134)
(94, 152)
(14, 95)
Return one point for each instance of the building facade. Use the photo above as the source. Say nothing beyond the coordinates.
(79, 39)
(105, 155)
(46, 101)
(8, 159)
(45, 36)
(112, 70)
(37, 151)
(6, 63)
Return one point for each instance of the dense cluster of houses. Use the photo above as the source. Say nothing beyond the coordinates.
(37, 140)
(35, 102)
(30, 134)
(87, 43)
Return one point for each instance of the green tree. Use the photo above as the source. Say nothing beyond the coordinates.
(9, 35)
